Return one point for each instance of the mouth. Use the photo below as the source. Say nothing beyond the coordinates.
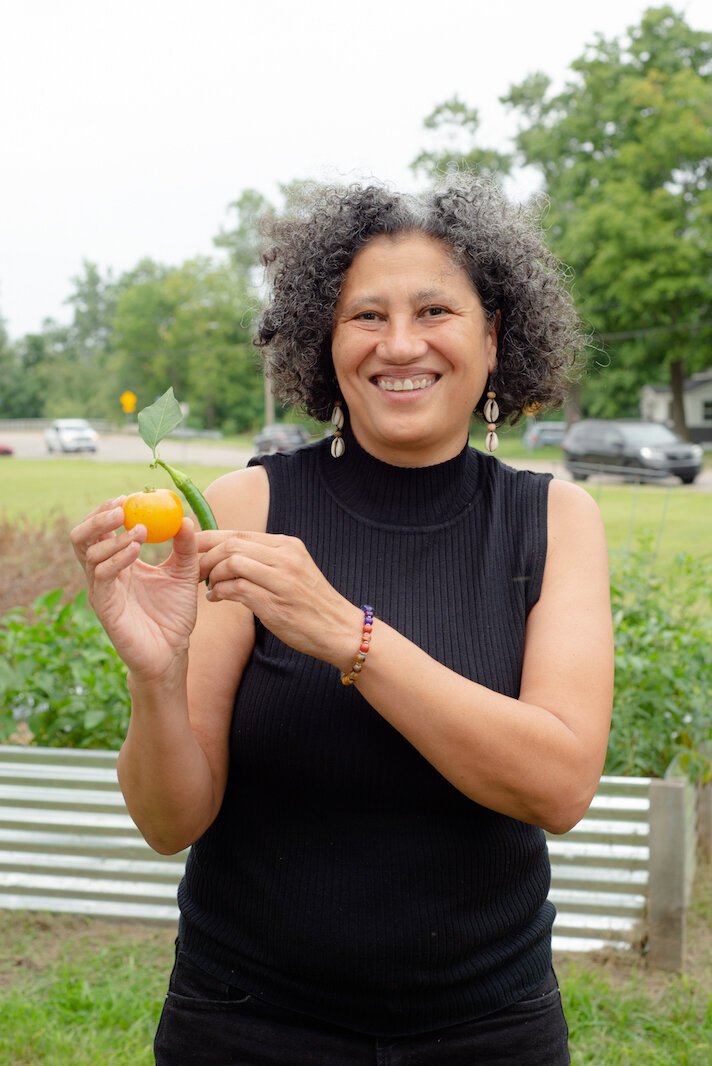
(416, 383)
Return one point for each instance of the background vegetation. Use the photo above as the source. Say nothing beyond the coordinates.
(622, 157)
(661, 568)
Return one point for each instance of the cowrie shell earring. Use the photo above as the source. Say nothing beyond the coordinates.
(338, 444)
(491, 412)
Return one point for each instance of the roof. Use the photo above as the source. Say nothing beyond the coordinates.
(696, 381)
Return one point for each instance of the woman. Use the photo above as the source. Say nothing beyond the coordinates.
(368, 876)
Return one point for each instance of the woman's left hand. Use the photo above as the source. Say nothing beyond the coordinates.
(277, 579)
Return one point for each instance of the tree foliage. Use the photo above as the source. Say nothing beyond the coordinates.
(190, 328)
(623, 154)
(457, 125)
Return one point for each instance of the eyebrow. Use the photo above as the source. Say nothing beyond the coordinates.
(421, 296)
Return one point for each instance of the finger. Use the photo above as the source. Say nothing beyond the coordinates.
(212, 538)
(102, 522)
(124, 552)
(183, 557)
(271, 548)
(106, 547)
(259, 564)
(241, 566)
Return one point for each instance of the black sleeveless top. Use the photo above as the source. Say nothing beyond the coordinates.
(344, 877)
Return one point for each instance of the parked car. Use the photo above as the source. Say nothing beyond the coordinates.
(70, 435)
(638, 451)
(5, 449)
(280, 437)
(537, 434)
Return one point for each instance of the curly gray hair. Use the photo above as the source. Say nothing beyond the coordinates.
(499, 245)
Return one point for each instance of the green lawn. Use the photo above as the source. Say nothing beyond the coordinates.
(676, 518)
(38, 488)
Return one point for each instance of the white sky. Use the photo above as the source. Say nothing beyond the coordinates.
(128, 126)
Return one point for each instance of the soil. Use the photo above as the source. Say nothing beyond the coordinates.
(621, 966)
(34, 559)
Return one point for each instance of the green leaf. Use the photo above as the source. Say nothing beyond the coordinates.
(156, 421)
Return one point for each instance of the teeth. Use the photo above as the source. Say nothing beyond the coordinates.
(405, 384)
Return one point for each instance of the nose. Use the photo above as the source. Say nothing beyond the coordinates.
(402, 340)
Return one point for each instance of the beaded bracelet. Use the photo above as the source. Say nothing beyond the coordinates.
(349, 679)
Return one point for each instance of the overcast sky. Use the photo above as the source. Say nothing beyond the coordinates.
(128, 126)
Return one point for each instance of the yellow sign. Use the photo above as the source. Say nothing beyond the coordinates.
(128, 401)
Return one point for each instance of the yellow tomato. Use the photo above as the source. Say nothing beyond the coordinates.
(159, 510)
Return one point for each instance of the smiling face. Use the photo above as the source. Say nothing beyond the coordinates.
(412, 350)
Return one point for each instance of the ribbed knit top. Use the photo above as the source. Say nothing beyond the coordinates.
(344, 877)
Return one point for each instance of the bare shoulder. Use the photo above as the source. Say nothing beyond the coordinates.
(240, 499)
(573, 512)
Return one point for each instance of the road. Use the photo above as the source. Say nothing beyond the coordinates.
(128, 447)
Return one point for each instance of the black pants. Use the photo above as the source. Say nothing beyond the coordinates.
(207, 1023)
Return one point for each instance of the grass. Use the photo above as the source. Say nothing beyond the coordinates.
(677, 518)
(38, 488)
(78, 991)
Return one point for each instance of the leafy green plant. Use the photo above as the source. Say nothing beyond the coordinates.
(61, 676)
(662, 715)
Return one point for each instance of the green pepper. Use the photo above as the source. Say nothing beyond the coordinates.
(194, 497)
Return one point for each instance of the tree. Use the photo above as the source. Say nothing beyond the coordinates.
(458, 125)
(7, 365)
(81, 380)
(623, 153)
(24, 391)
(190, 327)
(243, 242)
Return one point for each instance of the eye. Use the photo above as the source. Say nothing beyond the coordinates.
(366, 316)
(434, 312)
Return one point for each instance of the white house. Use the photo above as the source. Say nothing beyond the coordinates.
(656, 404)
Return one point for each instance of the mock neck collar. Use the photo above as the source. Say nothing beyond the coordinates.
(404, 496)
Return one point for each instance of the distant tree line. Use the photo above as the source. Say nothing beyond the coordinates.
(188, 326)
(624, 161)
(624, 157)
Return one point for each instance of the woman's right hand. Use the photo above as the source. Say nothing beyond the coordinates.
(148, 611)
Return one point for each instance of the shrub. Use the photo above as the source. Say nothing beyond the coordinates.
(662, 716)
(61, 676)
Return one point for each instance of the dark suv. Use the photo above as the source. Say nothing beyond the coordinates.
(638, 451)
(280, 437)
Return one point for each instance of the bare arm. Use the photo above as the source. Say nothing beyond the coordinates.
(537, 758)
(173, 764)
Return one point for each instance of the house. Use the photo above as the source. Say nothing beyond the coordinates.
(656, 405)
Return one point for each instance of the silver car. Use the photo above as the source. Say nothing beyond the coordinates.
(70, 435)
